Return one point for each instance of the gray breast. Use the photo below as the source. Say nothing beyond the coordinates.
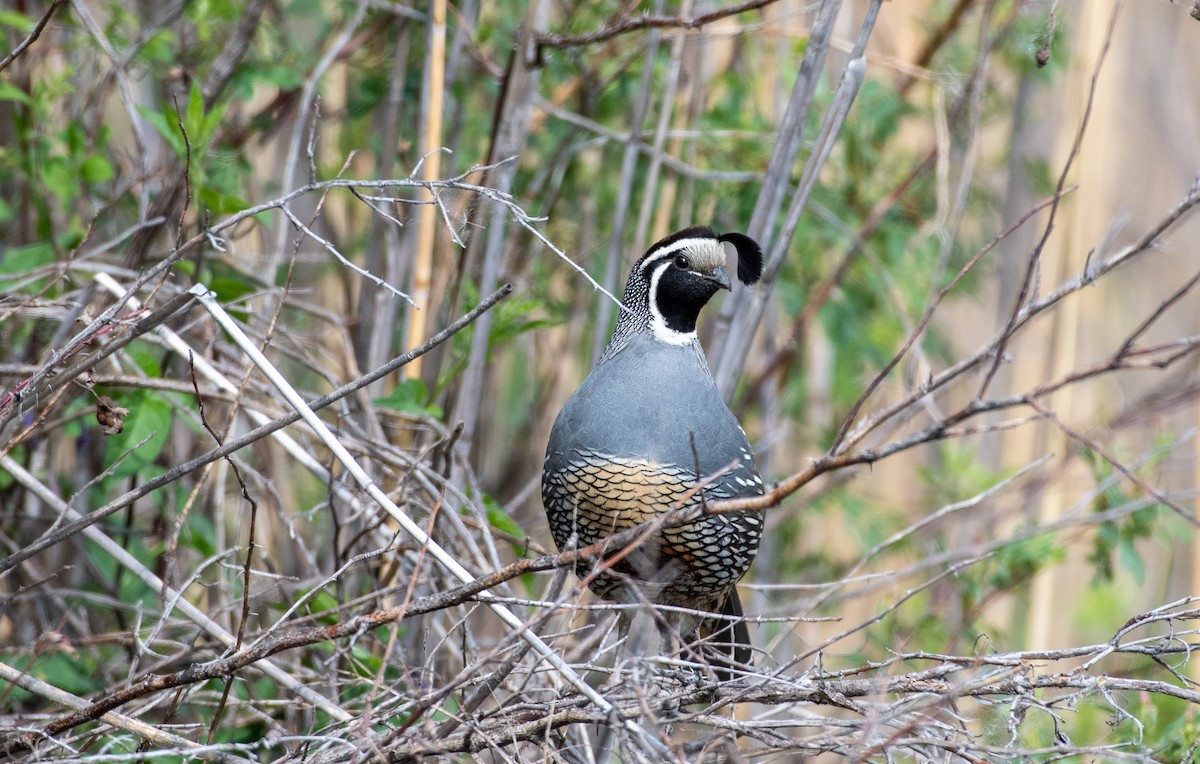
(626, 447)
(652, 400)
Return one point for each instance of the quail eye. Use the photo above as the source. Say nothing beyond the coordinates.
(683, 262)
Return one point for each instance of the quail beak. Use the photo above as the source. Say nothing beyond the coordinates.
(719, 277)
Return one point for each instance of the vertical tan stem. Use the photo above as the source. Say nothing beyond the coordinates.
(435, 72)
(1052, 592)
(1194, 663)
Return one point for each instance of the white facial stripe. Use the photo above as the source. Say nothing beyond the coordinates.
(706, 253)
(658, 324)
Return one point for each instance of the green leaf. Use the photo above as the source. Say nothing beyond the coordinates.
(159, 48)
(146, 357)
(6, 478)
(75, 674)
(1131, 560)
(193, 117)
(364, 664)
(199, 534)
(74, 137)
(61, 178)
(149, 417)
(211, 121)
(96, 169)
(21, 260)
(17, 21)
(282, 77)
(323, 606)
(230, 290)
(410, 397)
(201, 126)
(221, 204)
(10, 92)
(499, 519)
(165, 125)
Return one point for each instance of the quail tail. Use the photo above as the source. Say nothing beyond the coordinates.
(731, 638)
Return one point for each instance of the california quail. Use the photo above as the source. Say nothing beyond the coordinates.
(626, 446)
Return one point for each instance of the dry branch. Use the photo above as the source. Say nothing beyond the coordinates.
(385, 656)
(619, 26)
(33, 35)
(235, 444)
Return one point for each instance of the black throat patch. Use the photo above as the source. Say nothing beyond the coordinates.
(680, 295)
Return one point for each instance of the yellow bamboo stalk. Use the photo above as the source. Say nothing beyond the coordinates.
(431, 142)
(1051, 592)
(1194, 663)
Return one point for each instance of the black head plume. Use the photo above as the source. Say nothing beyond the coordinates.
(750, 256)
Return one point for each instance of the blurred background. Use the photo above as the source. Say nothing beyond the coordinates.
(576, 135)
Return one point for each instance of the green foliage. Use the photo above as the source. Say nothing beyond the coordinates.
(323, 607)
(1116, 540)
(57, 161)
(864, 320)
(500, 520)
(116, 581)
(191, 133)
(1015, 564)
(16, 21)
(19, 261)
(510, 319)
(73, 179)
(869, 129)
(73, 672)
(199, 534)
(231, 291)
(409, 396)
(957, 474)
(149, 420)
(1177, 738)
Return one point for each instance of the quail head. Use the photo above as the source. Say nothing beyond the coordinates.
(644, 428)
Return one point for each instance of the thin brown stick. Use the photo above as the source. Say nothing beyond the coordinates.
(1035, 257)
(622, 26)
(137, 727)
(935, 42)
(929, 311)
(231, 446)
(32, 36)
(1027, 314)
(1114, 462)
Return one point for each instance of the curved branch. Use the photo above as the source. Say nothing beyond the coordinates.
(646, 21)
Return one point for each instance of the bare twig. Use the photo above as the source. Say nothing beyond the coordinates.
(235, 444)
(33, 35)
(143, 730)
(1032, 268)
(620, 26)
